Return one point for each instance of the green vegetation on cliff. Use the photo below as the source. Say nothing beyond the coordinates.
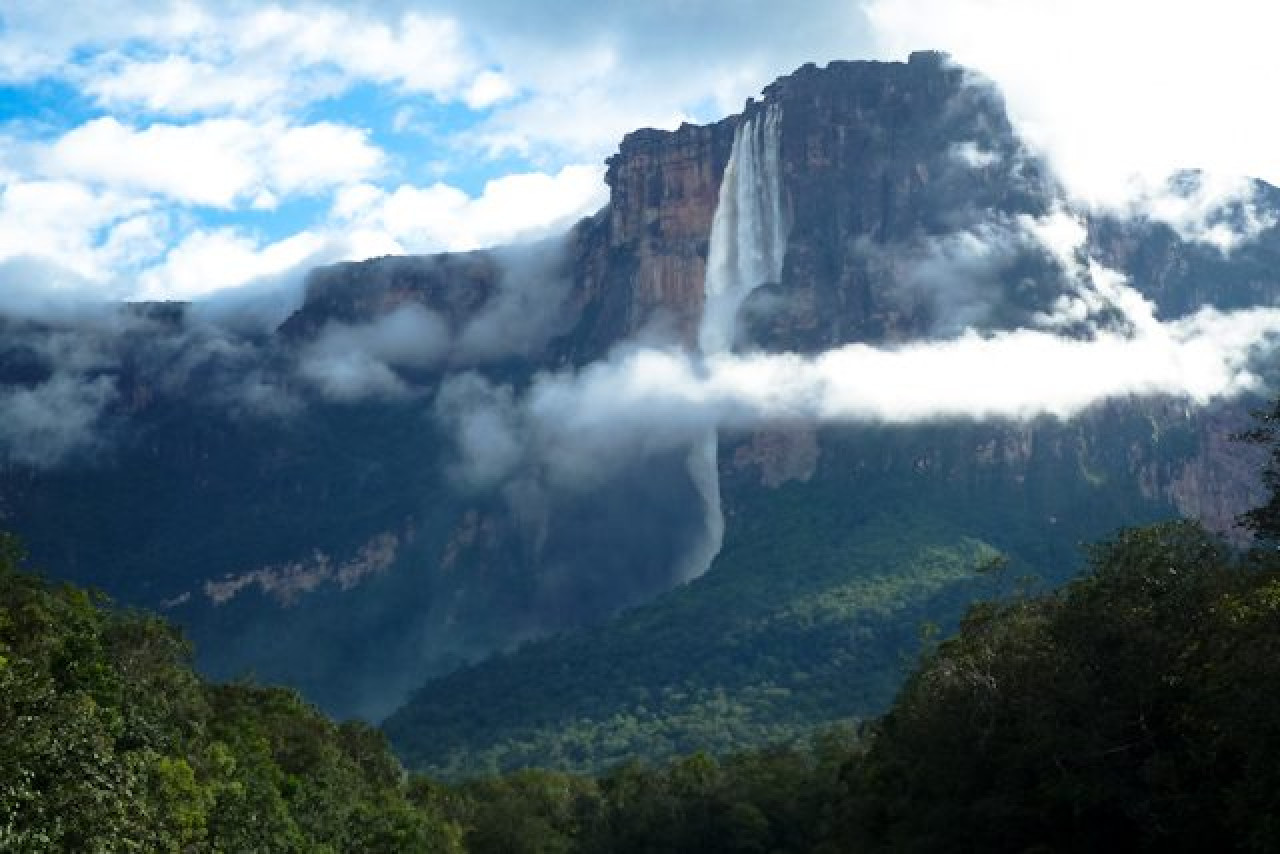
(1137, 709)
(812, 614)
(758, 656)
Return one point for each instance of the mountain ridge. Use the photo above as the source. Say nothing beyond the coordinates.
(885, 167)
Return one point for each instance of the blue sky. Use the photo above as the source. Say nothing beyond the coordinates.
(176, 149)
(159, 149)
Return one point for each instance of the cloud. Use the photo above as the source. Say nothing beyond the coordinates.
(107, 217)
(40, 39)
(395, 354)
(73, 372)
(181, 85)
(206, 262)
(580, 425)
(43, 424)
(215, 162)
(416, 53)
(990, 276)
(488, 429)
(1094, 338)
(973, 156)
(83, 230)
(60, 384)
(487, 89)
(1120, 96)
(527, 310)
(1222, 211)
(349, 362)
(34, 289)
(240, 56)
(444, 218)
(582, 76)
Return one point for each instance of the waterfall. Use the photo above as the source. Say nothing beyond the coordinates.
(748, 232)
(748, 242)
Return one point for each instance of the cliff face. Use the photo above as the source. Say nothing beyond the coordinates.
(873, 154)
(336, 542)
(455, 286)
(882, 164)
(663, 193)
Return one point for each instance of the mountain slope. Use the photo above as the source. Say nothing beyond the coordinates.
(811, 614)
(365, 492)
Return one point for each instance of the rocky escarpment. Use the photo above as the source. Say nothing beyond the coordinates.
(663, 193)
(887, 171)
(457, 286)
(874, 154)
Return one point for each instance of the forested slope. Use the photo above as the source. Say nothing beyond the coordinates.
(110, 742)
(812, 614)
(1136, 709)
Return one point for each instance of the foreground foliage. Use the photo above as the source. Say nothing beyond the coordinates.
(110, 742)
(1138, 708)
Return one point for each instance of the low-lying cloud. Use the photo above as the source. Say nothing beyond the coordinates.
(1098, 339)
(45, 423)
(73, 365)
(73, 372)
(349, 362)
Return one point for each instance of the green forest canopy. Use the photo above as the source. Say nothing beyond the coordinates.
(1137, 708)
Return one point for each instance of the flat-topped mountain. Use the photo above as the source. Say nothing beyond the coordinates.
(368, 493)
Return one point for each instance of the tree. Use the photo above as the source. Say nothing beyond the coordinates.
(1137, 709)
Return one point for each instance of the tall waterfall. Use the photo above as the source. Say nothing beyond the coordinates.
(748, 232)
(748, 242)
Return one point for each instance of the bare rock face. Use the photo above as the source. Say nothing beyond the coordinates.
(664, 186)
(457, 286)
(663, 193)
(640, 263)
(874, 155)
(1222, 479)
(780, 455)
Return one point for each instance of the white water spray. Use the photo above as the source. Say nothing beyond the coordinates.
(748, 243)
